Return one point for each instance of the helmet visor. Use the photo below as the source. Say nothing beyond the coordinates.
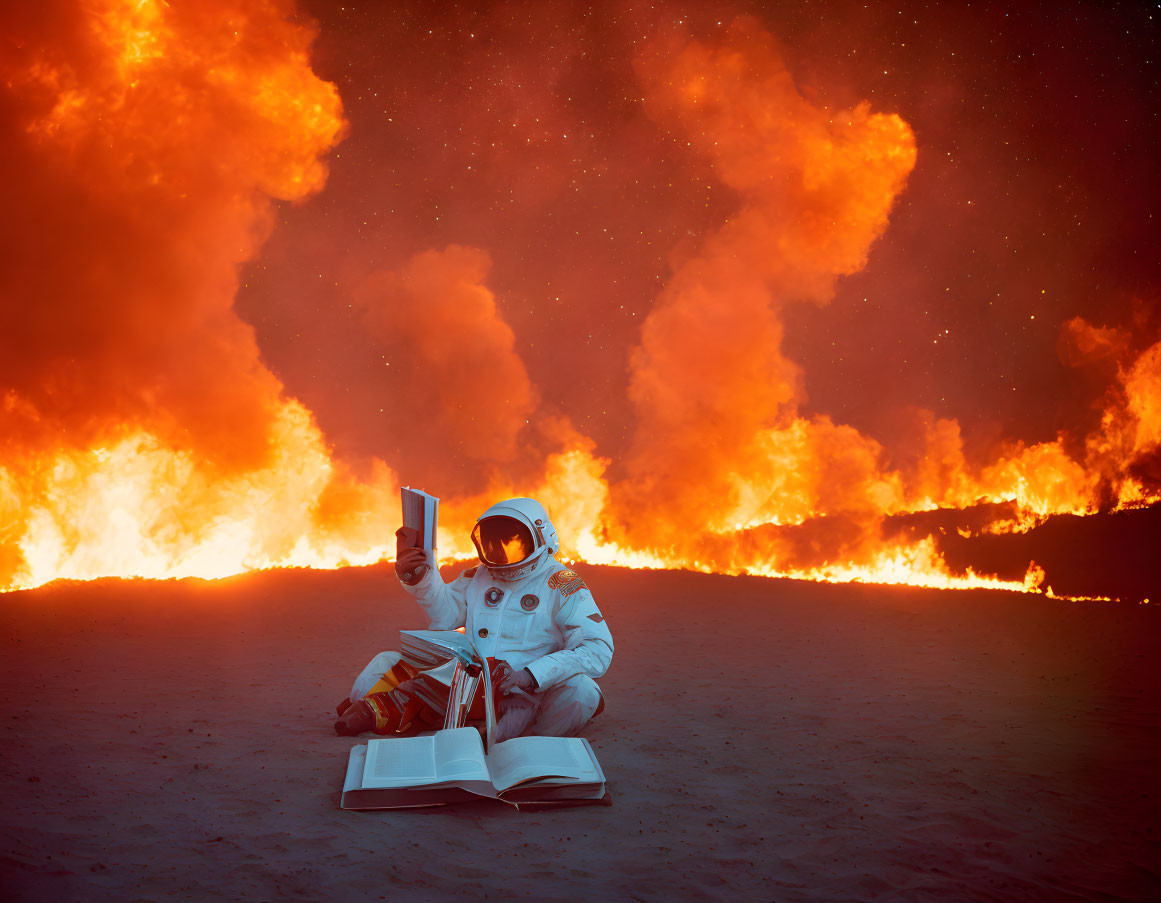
(502, 540)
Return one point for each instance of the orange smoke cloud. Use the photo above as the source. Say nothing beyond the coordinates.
(141, 432)
(1124, 454)
(1082, 343)
(709, 377)
(1119, 466)
(144, 146)
(461, 386)
(1142, 383)
(725, 473)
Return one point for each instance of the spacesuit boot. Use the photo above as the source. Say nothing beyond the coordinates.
(357, 718)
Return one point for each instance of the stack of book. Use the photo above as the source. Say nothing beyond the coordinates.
(432, 687)
(449, 671)
(425, 649)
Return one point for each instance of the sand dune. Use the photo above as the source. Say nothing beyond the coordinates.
(764, 740)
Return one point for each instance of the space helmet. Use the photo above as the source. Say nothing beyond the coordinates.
(513, 537)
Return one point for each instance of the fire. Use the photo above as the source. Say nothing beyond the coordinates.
(136, 507)
(141, 433)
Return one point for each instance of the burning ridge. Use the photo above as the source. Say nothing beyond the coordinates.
(145, 148)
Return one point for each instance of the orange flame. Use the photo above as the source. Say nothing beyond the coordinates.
(153, 441)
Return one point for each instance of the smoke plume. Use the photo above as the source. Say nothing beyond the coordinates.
(143, 149)
(459, 388)
(710, 379)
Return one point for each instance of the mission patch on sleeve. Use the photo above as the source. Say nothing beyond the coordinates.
(568, 582)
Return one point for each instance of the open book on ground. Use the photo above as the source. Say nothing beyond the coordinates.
(421, 513)
(451, 766)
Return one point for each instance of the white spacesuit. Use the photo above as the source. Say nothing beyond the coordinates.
(525, 607)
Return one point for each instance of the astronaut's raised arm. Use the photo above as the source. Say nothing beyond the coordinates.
(445, 604)
(588, 642)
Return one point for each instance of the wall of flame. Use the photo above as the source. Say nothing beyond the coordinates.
(146, 148)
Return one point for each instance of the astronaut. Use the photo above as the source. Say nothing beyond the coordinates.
(525, 609)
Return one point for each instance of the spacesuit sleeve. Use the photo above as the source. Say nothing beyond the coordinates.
(445, 604)
(588, 643)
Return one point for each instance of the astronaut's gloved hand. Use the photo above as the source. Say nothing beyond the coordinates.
(406, 538)
(410, 560)
(511, 680)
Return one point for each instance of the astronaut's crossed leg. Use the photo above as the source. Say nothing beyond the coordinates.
(567, 707)
(373, 673)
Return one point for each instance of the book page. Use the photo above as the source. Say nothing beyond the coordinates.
(443, 673)
(531, 758)
(451, 640)
(444, 757)
(459, 755)
(400, 762)
(459, 700)
(412, 504)
(355, 766)
(431, 522)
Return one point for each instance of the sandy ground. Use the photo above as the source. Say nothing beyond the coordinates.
(764, 741)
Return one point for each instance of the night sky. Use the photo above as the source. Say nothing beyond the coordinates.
(520, 130)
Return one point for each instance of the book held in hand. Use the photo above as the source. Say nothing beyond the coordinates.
(421, 513)
(451, 766)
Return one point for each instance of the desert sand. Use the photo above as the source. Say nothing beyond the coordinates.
(764, 740)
